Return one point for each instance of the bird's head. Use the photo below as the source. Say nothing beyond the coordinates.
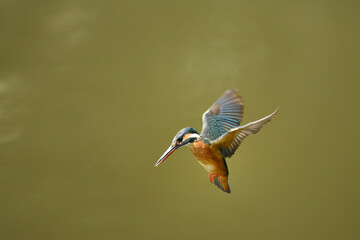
(184, 137)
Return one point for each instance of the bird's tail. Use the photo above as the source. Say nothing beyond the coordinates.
(222, 183)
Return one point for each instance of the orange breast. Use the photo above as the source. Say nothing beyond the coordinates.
(211, 159)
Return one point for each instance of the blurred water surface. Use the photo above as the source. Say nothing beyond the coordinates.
(91, 94)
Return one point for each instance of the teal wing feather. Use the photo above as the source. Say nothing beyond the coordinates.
(225, 114)
(230, 141)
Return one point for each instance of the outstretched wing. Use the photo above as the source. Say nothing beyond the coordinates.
(230, 141)
(225, 114)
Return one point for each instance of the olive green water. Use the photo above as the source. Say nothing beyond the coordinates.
(92, 93)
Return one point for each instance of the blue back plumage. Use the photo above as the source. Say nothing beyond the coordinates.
(225, 114)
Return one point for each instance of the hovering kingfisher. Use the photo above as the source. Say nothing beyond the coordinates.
(220, 136)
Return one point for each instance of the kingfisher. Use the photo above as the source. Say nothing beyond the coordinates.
(220, 137)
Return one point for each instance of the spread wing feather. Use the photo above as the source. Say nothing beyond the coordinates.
(225, 114)
(230, 141)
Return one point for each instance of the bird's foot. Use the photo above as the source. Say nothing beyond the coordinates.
(211, 176)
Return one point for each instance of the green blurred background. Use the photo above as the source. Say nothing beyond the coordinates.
(92, 93)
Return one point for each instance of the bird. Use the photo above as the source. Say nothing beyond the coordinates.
(220, 137)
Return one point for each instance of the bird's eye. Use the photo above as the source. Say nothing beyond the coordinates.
(180, 140)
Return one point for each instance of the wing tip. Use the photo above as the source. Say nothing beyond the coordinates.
(272, 115)
(233, 92)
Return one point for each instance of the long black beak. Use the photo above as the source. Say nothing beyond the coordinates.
(167, 153)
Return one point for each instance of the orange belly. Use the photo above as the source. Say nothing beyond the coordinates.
(211, 159)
